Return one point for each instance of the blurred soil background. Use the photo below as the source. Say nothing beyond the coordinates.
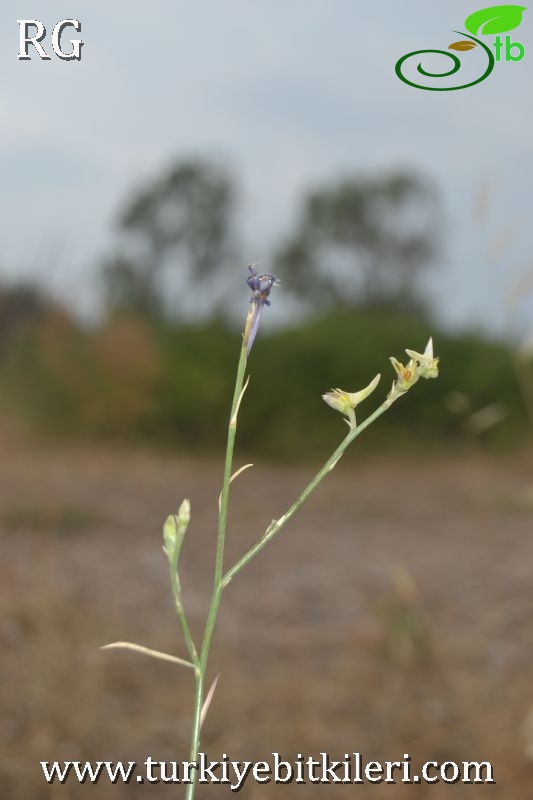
(393, 615)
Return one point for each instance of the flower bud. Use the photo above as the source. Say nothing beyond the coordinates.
(184, 515)
(170, 530)
(175, 527)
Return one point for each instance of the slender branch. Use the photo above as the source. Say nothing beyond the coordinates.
(277, 525)
(147, 651)
(176, 591)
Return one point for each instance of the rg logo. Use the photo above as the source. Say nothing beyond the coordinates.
(26, 39)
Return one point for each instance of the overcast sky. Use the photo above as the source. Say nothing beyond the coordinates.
(289, 94)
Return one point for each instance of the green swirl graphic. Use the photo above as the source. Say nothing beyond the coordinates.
(456, 67)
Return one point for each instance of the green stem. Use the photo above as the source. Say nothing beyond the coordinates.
(219, 569)
(187, 636)
(277, 525)
(221, 580)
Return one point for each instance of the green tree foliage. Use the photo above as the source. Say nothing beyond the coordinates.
(169, 385)
(363, 242)
(21, 306)
(146, 374)
(177, 236)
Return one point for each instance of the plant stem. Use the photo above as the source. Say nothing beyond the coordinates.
(219, 570)
(221, 580)
(277, 525)
(187, 636)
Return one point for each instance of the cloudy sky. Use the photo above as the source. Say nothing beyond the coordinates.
(289, 94)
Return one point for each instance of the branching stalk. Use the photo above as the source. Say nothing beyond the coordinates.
(221, 580)
(423, 365)
(219, 570)
(277, 525)
(176, 591)
(420, 365)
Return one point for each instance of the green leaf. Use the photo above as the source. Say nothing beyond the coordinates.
(496, 19)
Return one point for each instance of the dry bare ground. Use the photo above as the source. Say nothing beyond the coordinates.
(393, 615)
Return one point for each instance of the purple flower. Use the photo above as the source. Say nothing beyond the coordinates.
(261, 286)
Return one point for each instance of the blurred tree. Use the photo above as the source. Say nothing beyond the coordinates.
(21, 307)
(178, 238)
(363, 242)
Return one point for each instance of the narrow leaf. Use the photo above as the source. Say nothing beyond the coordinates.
(496, 19)
(235, 475)
(147, 652)
(233, 420)
(462, 45)
(239, 471)
(207, 701)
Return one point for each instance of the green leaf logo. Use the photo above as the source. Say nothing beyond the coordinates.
(462, 45)
(497, 19)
